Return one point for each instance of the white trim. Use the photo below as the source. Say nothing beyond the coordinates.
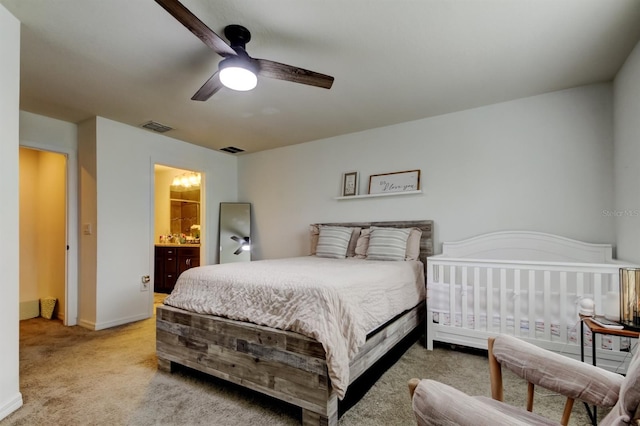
(71, 288)
(90, 325)
(152, 236)
(122, 321)
(10, 405)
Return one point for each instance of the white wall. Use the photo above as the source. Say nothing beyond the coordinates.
(163, 180)
(88, 217)
(10, 397)
(28, 241)
(124, 194)
(543, 163)
(42, 132)
(52, 236)
(627, 158)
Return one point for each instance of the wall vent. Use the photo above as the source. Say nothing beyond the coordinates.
(232, 149)
(156, 127)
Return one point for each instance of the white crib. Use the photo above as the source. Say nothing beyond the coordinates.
(527, 284)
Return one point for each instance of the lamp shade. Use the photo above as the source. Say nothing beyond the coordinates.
(629, 302)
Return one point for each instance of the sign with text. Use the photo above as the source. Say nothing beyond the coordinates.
(394, 182)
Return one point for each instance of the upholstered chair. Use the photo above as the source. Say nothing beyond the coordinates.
(435, 403)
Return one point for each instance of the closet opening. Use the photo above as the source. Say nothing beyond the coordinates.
(43, 246)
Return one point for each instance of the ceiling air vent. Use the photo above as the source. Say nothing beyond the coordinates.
(156, 127)
(232, 149)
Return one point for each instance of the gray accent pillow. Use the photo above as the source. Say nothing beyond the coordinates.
(333, 241)
(314, 233)
(388, 243)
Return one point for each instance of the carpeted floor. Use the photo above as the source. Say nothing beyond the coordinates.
(73, 376)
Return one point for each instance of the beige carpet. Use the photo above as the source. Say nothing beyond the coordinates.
(72, 376)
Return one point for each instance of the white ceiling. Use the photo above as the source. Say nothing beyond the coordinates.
(393, 61)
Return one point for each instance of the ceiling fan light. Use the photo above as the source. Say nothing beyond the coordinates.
(238, 78)
(238, 73)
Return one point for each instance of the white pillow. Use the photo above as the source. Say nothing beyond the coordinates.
(413, 244)
(333, 241)
(362, 244)
(314, 232)
(388, 243)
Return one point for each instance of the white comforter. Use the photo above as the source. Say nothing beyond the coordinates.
(335, 301)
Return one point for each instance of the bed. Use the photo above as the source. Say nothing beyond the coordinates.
(526, 284)
(284, 363)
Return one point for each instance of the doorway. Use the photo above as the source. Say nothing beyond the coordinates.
(178, 224)
(43, 232)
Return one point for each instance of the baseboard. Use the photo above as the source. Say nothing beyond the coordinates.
(29, 309)
(87, 324)
(104, 325)
(121, 321)
(10, 405)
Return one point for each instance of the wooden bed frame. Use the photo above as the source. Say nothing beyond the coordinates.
(282, 364)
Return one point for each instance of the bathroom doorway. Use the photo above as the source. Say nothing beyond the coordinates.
(42, 244)
(178, 224)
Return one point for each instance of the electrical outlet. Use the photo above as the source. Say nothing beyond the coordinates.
(144, 283)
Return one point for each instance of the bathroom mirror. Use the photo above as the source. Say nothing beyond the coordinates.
(235, 232)
(185, 210)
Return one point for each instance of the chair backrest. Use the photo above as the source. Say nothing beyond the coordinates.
(628, 406)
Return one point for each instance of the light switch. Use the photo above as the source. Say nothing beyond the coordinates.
(86, 229)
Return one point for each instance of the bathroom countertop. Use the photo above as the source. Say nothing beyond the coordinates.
(176, 245)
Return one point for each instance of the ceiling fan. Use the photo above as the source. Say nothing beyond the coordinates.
(238, 70)
(244, 244)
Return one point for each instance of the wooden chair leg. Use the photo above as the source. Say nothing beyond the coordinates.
(413, 383)
(530, 391)
(568, 406)
(495, 374)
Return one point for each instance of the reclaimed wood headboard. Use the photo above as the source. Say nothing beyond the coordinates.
(426, 226)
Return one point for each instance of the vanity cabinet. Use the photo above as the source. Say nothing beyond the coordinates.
(170, 262)
(188, 257)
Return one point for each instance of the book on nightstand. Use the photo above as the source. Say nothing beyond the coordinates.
(603, 322)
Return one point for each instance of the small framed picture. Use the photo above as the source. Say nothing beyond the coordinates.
(350, 182)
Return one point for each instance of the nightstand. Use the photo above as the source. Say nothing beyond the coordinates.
(596, 329)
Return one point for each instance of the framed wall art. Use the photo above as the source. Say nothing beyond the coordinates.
(394, 182)
(350, 182)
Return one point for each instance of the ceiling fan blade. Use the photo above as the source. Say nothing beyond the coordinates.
(197, 27)
(280, 71)
(208, 89)
(237, 252)
(236, 238)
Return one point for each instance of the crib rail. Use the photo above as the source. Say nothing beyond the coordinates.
(535, 300)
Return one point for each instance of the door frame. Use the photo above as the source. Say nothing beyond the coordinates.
(71, 254)
(155, 159)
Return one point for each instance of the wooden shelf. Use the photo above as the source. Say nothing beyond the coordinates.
(384, 194)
